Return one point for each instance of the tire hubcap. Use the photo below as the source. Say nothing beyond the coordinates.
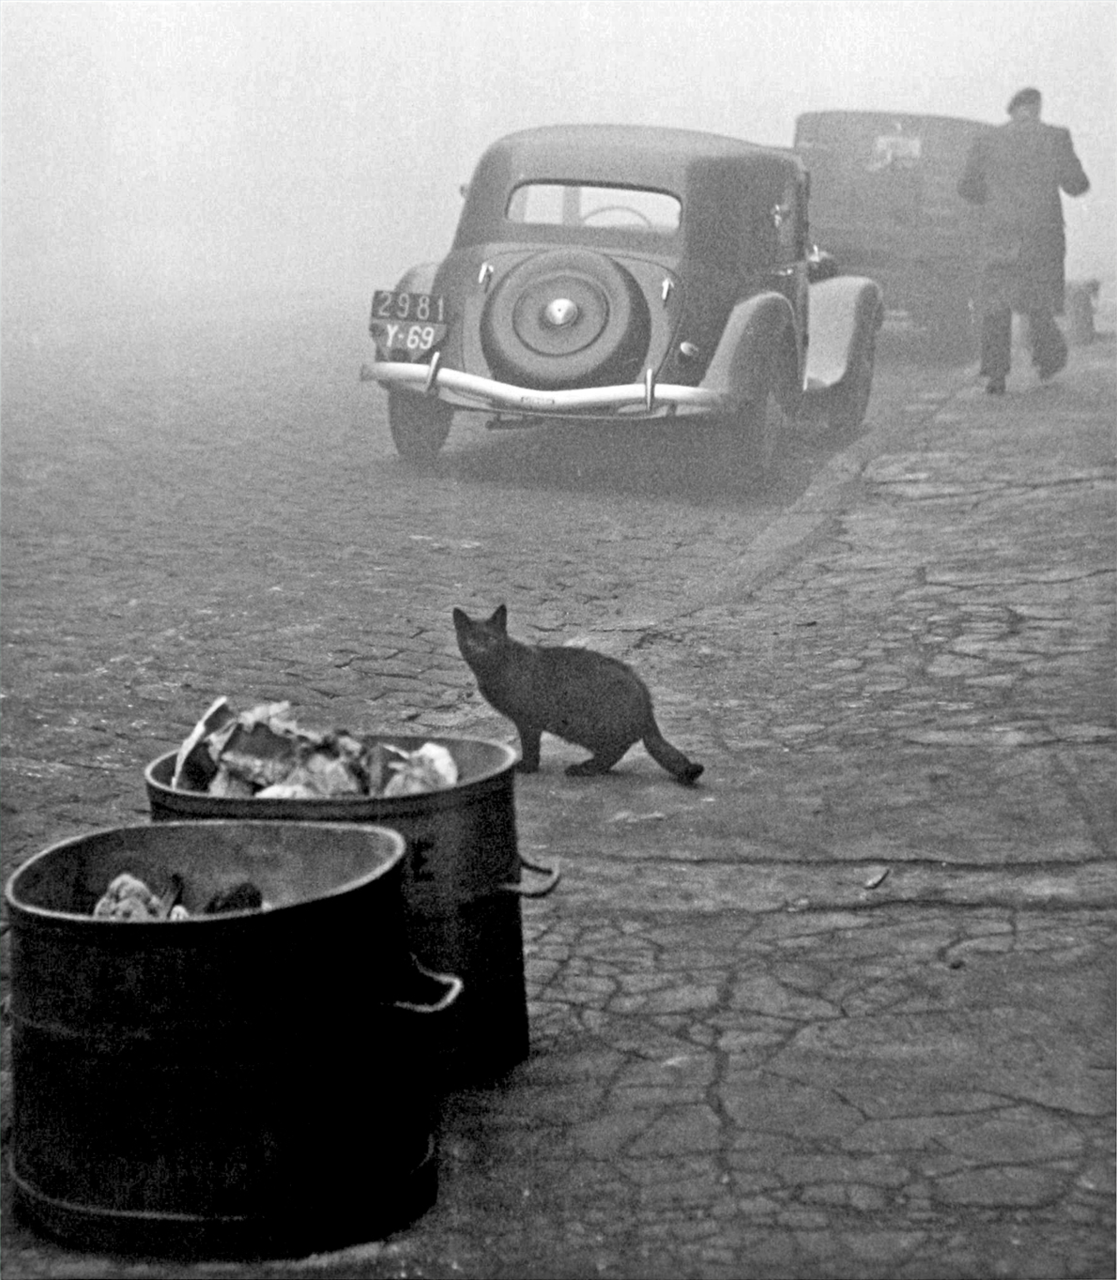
(560, 312)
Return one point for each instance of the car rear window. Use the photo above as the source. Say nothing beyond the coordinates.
(573, 205)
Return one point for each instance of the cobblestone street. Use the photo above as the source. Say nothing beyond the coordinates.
(845, 1009)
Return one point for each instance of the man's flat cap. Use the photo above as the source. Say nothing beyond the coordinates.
(1024, 98)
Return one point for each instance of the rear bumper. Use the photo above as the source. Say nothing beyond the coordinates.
(471, 391)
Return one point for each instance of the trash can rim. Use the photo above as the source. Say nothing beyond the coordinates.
(346, 829)
(508, 753)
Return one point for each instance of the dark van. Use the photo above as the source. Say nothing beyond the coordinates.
(884, 203)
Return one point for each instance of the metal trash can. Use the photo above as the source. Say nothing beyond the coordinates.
(247, 1084)
(462, 885)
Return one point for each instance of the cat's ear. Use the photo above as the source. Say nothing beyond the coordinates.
(500, 617)
(461, 618)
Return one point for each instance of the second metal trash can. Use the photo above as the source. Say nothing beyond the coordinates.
(462, 882)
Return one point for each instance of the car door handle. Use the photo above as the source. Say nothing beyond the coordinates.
(783, 271)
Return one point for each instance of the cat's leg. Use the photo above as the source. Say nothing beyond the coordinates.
(529, 748)
(600, 762)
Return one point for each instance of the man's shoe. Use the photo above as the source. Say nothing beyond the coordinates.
(1048, 371)
(995, 387)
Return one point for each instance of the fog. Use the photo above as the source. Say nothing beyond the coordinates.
(177, 150)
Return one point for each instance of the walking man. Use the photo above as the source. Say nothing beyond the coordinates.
(1016, 172)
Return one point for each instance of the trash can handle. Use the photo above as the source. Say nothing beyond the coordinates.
(553, 875)
(453, 990)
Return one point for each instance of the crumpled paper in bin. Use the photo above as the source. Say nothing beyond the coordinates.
(128, 898)
(264, 753)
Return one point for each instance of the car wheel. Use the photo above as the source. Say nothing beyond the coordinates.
(763, 424)
(419, 425)
(849, 400)
(566, 318)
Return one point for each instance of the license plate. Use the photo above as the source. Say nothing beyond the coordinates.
(414, 308)
(398, 340)
(407, 326)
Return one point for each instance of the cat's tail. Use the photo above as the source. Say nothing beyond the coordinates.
(671, 758)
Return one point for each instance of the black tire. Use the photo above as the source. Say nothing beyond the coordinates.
(419, 425)
(741, 449)
(764, 422)
(849, 400)
(566, 318)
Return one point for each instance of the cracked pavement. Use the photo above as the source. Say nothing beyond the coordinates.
(845, 1008)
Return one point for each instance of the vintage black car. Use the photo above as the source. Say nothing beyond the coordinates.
(615, 273)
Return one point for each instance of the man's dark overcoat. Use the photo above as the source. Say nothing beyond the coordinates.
(1017, 171)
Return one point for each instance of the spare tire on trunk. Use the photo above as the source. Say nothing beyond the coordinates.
(566, 318)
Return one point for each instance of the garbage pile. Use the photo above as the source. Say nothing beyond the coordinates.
(263, 753)
(129, 898)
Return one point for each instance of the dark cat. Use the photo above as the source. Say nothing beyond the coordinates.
(578, 695)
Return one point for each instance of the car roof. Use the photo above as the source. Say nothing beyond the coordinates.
(643, 154)
(722, 182)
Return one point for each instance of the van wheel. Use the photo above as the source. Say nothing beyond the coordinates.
(849, 400)
(952, 328)
(419, 425)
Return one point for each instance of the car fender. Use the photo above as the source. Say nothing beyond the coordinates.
(844, 311)
(755, 329)
(418, 279)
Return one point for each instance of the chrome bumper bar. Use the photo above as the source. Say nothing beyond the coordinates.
(470, 391)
